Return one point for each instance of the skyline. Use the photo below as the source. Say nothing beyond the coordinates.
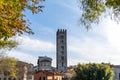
(100, 44)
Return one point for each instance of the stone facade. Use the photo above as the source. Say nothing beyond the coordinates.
(61, 50)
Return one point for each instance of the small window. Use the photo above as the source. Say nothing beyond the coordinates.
(62, 58)
(62, 41)
(62, 47)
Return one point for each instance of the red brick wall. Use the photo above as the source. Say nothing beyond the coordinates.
(40, 74)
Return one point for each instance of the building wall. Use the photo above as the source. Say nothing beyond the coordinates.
(39, 75)
(61, 54)
(4, 75)
(47, 75)
(25, 72)
(116, 73)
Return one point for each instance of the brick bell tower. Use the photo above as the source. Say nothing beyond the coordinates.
(61, 50)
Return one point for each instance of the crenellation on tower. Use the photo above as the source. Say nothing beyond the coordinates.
(61, 31)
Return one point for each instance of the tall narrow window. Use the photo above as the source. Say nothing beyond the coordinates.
(62, 58)
(62, 64)
(62, 41)
(43, 78)
(39, 78)
(62, 47)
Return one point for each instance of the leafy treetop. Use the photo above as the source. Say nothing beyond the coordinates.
(12, 20)
(93, 71)
(94, 9)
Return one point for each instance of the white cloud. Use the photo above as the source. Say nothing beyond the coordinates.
(101, 46)
(29, 44)
(29, 49)
(111, 31)
(23, 56)
(27, 57)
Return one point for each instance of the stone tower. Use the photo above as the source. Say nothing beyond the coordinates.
(61, 50)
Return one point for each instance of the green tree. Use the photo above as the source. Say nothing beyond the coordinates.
(8, 65)
(94, 9)
(12, 21)
(93, 72)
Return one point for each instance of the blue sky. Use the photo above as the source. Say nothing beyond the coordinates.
(100, 44)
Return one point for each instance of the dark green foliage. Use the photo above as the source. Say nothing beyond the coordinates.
(93, 72)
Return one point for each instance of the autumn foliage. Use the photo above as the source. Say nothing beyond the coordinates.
(12, 20)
